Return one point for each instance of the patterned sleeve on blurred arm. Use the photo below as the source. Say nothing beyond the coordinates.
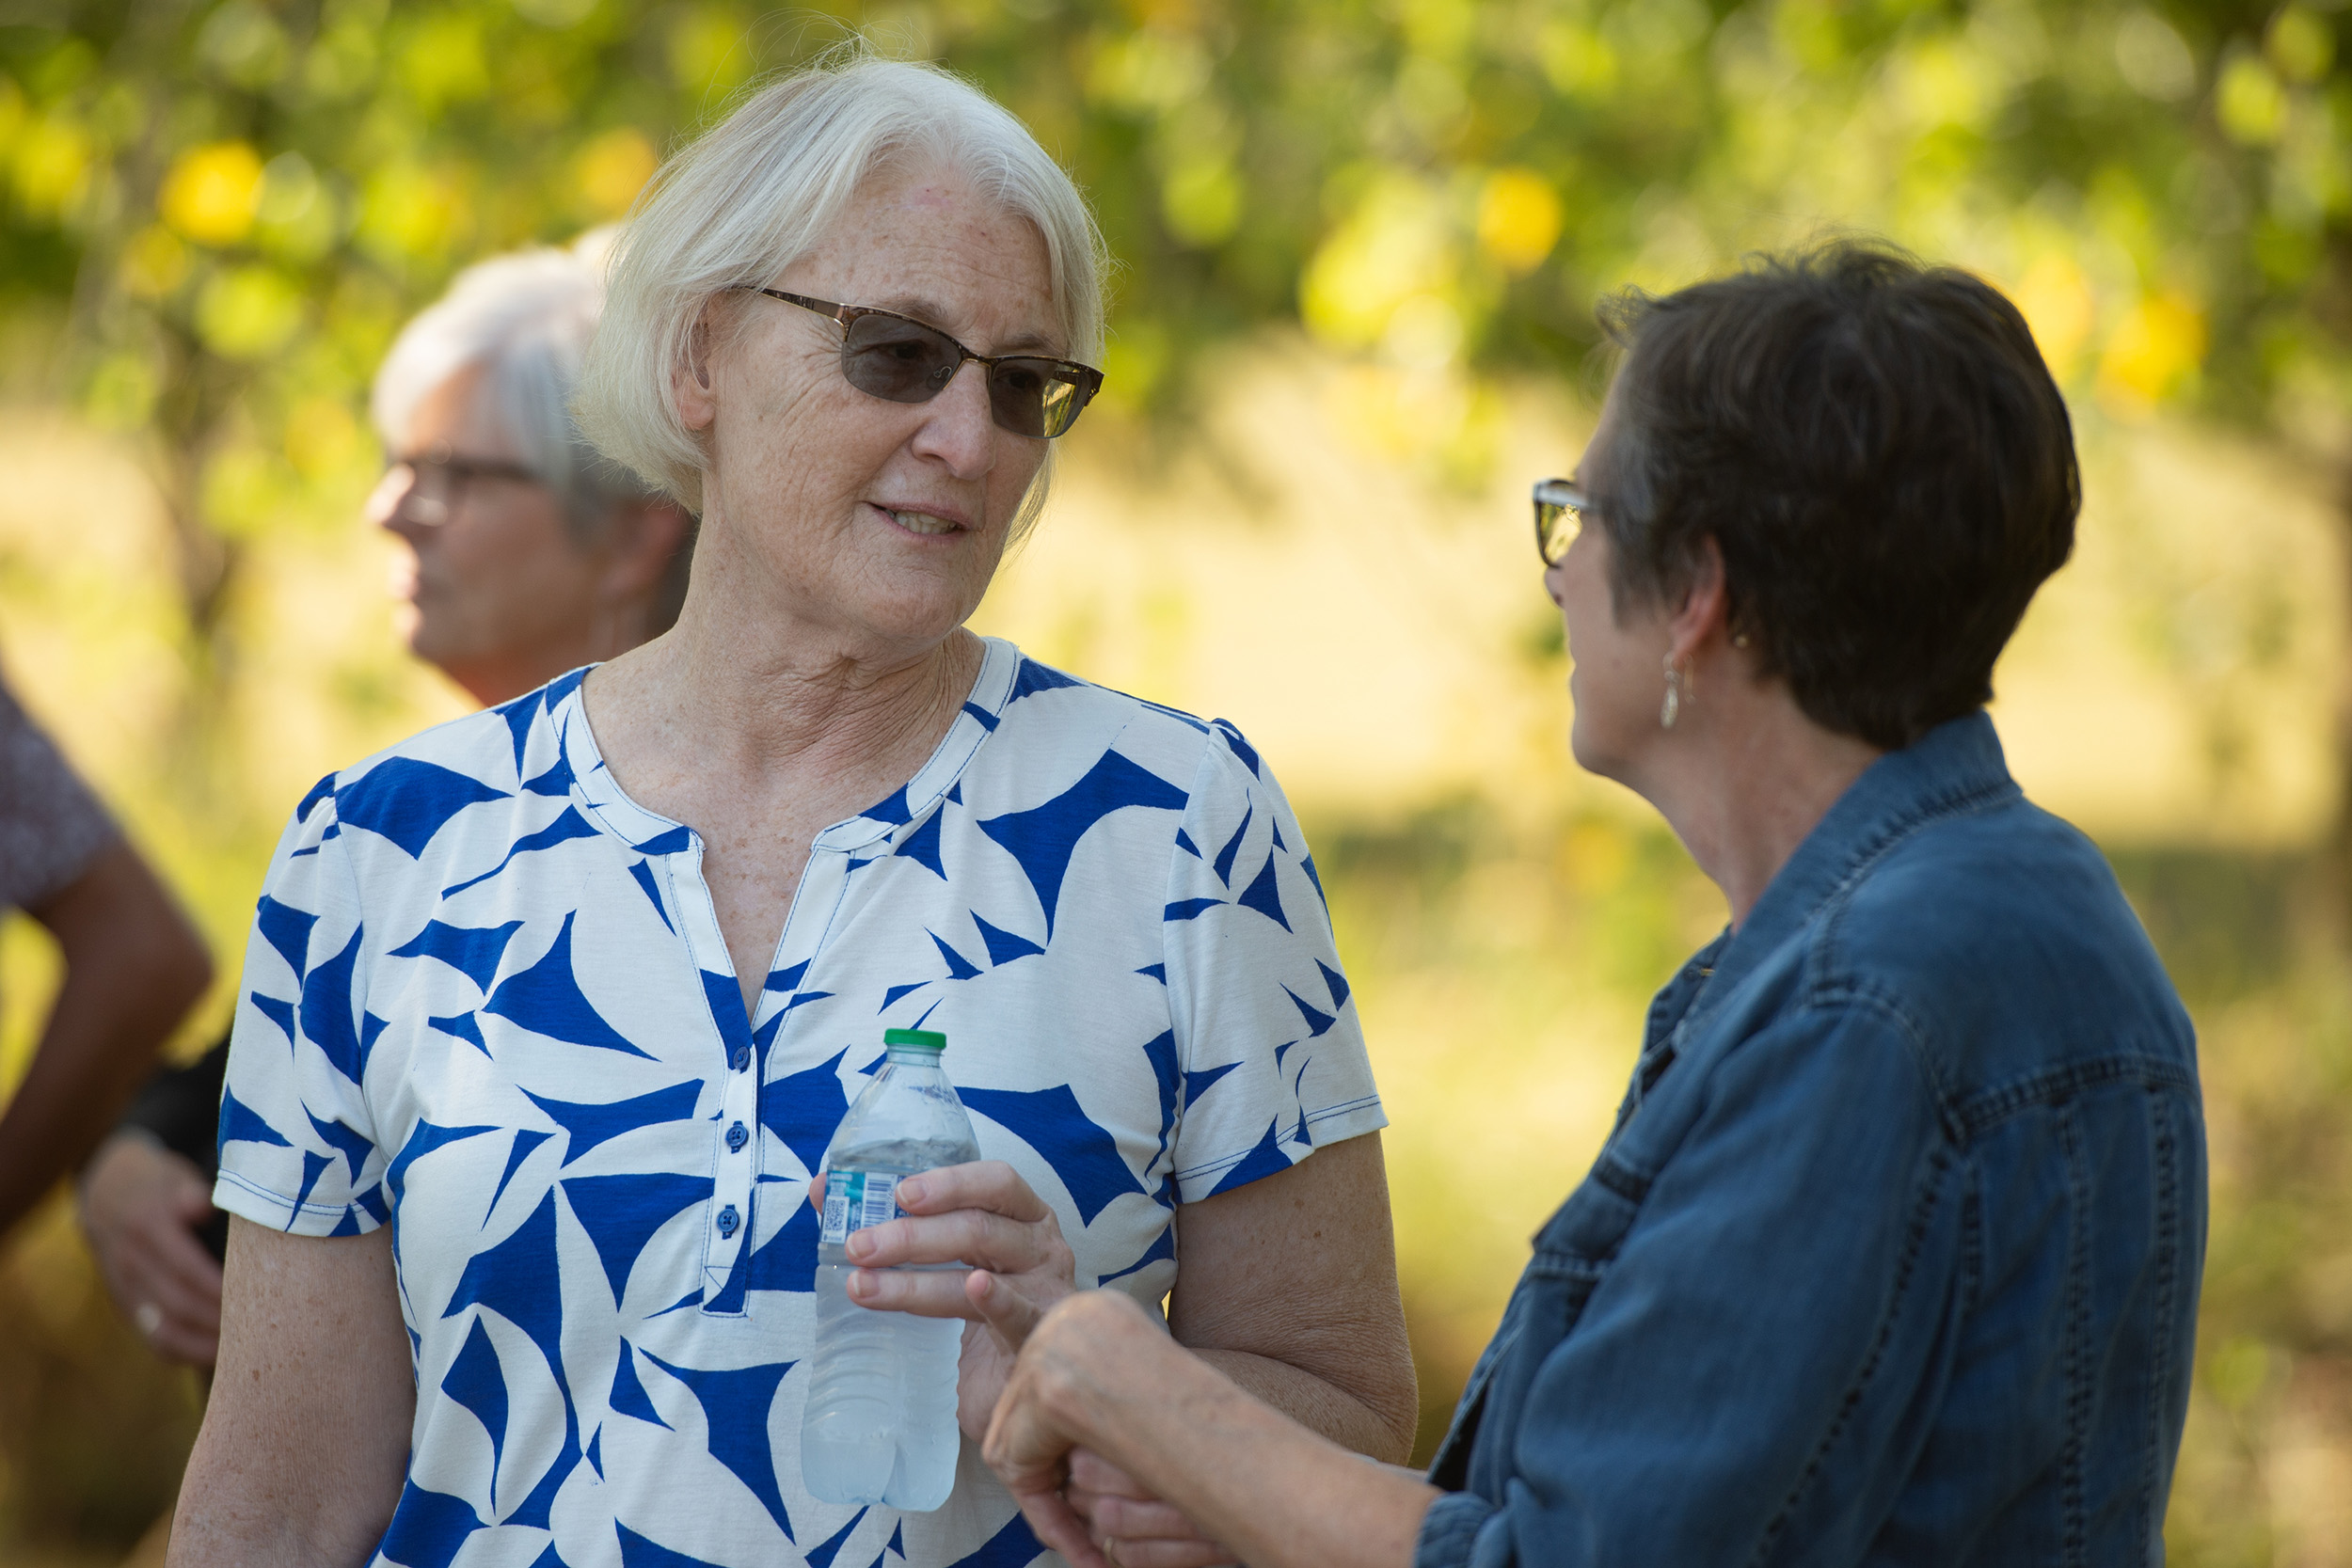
(51, 824)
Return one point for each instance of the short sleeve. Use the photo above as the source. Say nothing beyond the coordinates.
(51, 826)
(1270, 1048)
(298, 1150)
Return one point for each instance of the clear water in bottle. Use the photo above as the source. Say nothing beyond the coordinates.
(879, 1425)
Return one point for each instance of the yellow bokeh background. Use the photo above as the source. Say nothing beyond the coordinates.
(1359, 245)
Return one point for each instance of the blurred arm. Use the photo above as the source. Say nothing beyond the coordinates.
(1288, 1287)
(305, 1441)
(1097, 1371)
(133, 967)
(142, 1207)
(147, 1209)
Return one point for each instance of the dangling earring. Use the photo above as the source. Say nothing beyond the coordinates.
(1672, 709)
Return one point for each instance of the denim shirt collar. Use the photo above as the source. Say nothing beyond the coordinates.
(1955, 766)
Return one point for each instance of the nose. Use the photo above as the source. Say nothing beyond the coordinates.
(959, 429)
(1555, 583)
(388, 503)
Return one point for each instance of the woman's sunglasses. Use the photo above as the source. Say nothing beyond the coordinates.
(1560, 508)
(898, 358)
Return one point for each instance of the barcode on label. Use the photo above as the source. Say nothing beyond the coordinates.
(878, 1207)
(855, 1199)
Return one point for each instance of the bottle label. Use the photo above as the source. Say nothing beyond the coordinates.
(857, 1198)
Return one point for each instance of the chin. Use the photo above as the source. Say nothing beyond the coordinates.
(1591, 754)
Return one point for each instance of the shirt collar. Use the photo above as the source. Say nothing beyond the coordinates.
(1956, 765)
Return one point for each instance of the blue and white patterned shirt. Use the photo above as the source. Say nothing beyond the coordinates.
(486, 994)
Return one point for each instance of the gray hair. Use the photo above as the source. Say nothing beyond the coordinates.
(525, 319)
(760, 189)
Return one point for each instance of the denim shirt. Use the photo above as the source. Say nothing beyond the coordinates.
(1893, 1255)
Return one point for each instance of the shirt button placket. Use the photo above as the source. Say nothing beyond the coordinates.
(736, 1166)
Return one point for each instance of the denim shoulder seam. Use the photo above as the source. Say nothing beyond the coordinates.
(1940, 1164)
(1832, 995)
(1995, 1104)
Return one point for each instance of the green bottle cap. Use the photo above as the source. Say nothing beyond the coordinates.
(922, 1037)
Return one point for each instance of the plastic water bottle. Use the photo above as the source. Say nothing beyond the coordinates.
(879, 1425)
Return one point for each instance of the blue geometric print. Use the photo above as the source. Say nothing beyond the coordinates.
(736, 1404)
(410, 801)
(1044, 837)
(505, 1015)
(589, 1125)
(472, 952)
(546, 999)
(629, 1397)
(428, 1528)
(476, 1382)
(287, 929)
(1089, 1165)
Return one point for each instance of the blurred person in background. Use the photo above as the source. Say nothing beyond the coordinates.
(528, 556)
(569, 998)
(133, 965)
(1894, 1253)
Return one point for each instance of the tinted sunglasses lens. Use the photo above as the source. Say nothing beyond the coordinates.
(1038, 397)
(1555, 529)
(901, 360)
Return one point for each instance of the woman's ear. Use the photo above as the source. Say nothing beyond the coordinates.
(693, 384)
(1704, 613)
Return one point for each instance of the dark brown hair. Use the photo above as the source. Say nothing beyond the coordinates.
(1878, 451)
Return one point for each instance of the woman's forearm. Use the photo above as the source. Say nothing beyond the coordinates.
(133, 968)
(1318, 1405)
(1101, 1375)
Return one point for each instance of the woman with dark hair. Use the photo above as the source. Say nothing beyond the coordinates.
(1893, 1255)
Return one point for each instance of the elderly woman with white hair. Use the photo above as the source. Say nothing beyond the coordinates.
(568, 998)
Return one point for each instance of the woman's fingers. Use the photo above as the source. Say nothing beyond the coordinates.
(1058, 1527)
(1123, 1552)
(1028, 1452)
(1128, 1520)
(973, 1236)
(1011, 1314)
(139, 1203)
(989, 1184)
(927, 1294)
(1089, 1472)
(1135, 1528)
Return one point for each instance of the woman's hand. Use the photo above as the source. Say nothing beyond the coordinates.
(984, 1215)
(1032, 1436)
(141, 1205)
(1131, 1526)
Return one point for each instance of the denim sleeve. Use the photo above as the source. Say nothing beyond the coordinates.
(1765, 1343)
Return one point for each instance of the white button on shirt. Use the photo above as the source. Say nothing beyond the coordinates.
(486, 993)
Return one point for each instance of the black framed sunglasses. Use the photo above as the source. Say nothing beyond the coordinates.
(900, 359)
(436, 479)
(1560, 508)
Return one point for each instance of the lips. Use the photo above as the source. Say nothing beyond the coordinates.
(924, 522)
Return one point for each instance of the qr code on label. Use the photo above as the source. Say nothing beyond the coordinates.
(855, 1199)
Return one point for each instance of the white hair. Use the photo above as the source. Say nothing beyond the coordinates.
(761, 188)
(525, 319)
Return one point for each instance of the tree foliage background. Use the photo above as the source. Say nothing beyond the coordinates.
(213, 219)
